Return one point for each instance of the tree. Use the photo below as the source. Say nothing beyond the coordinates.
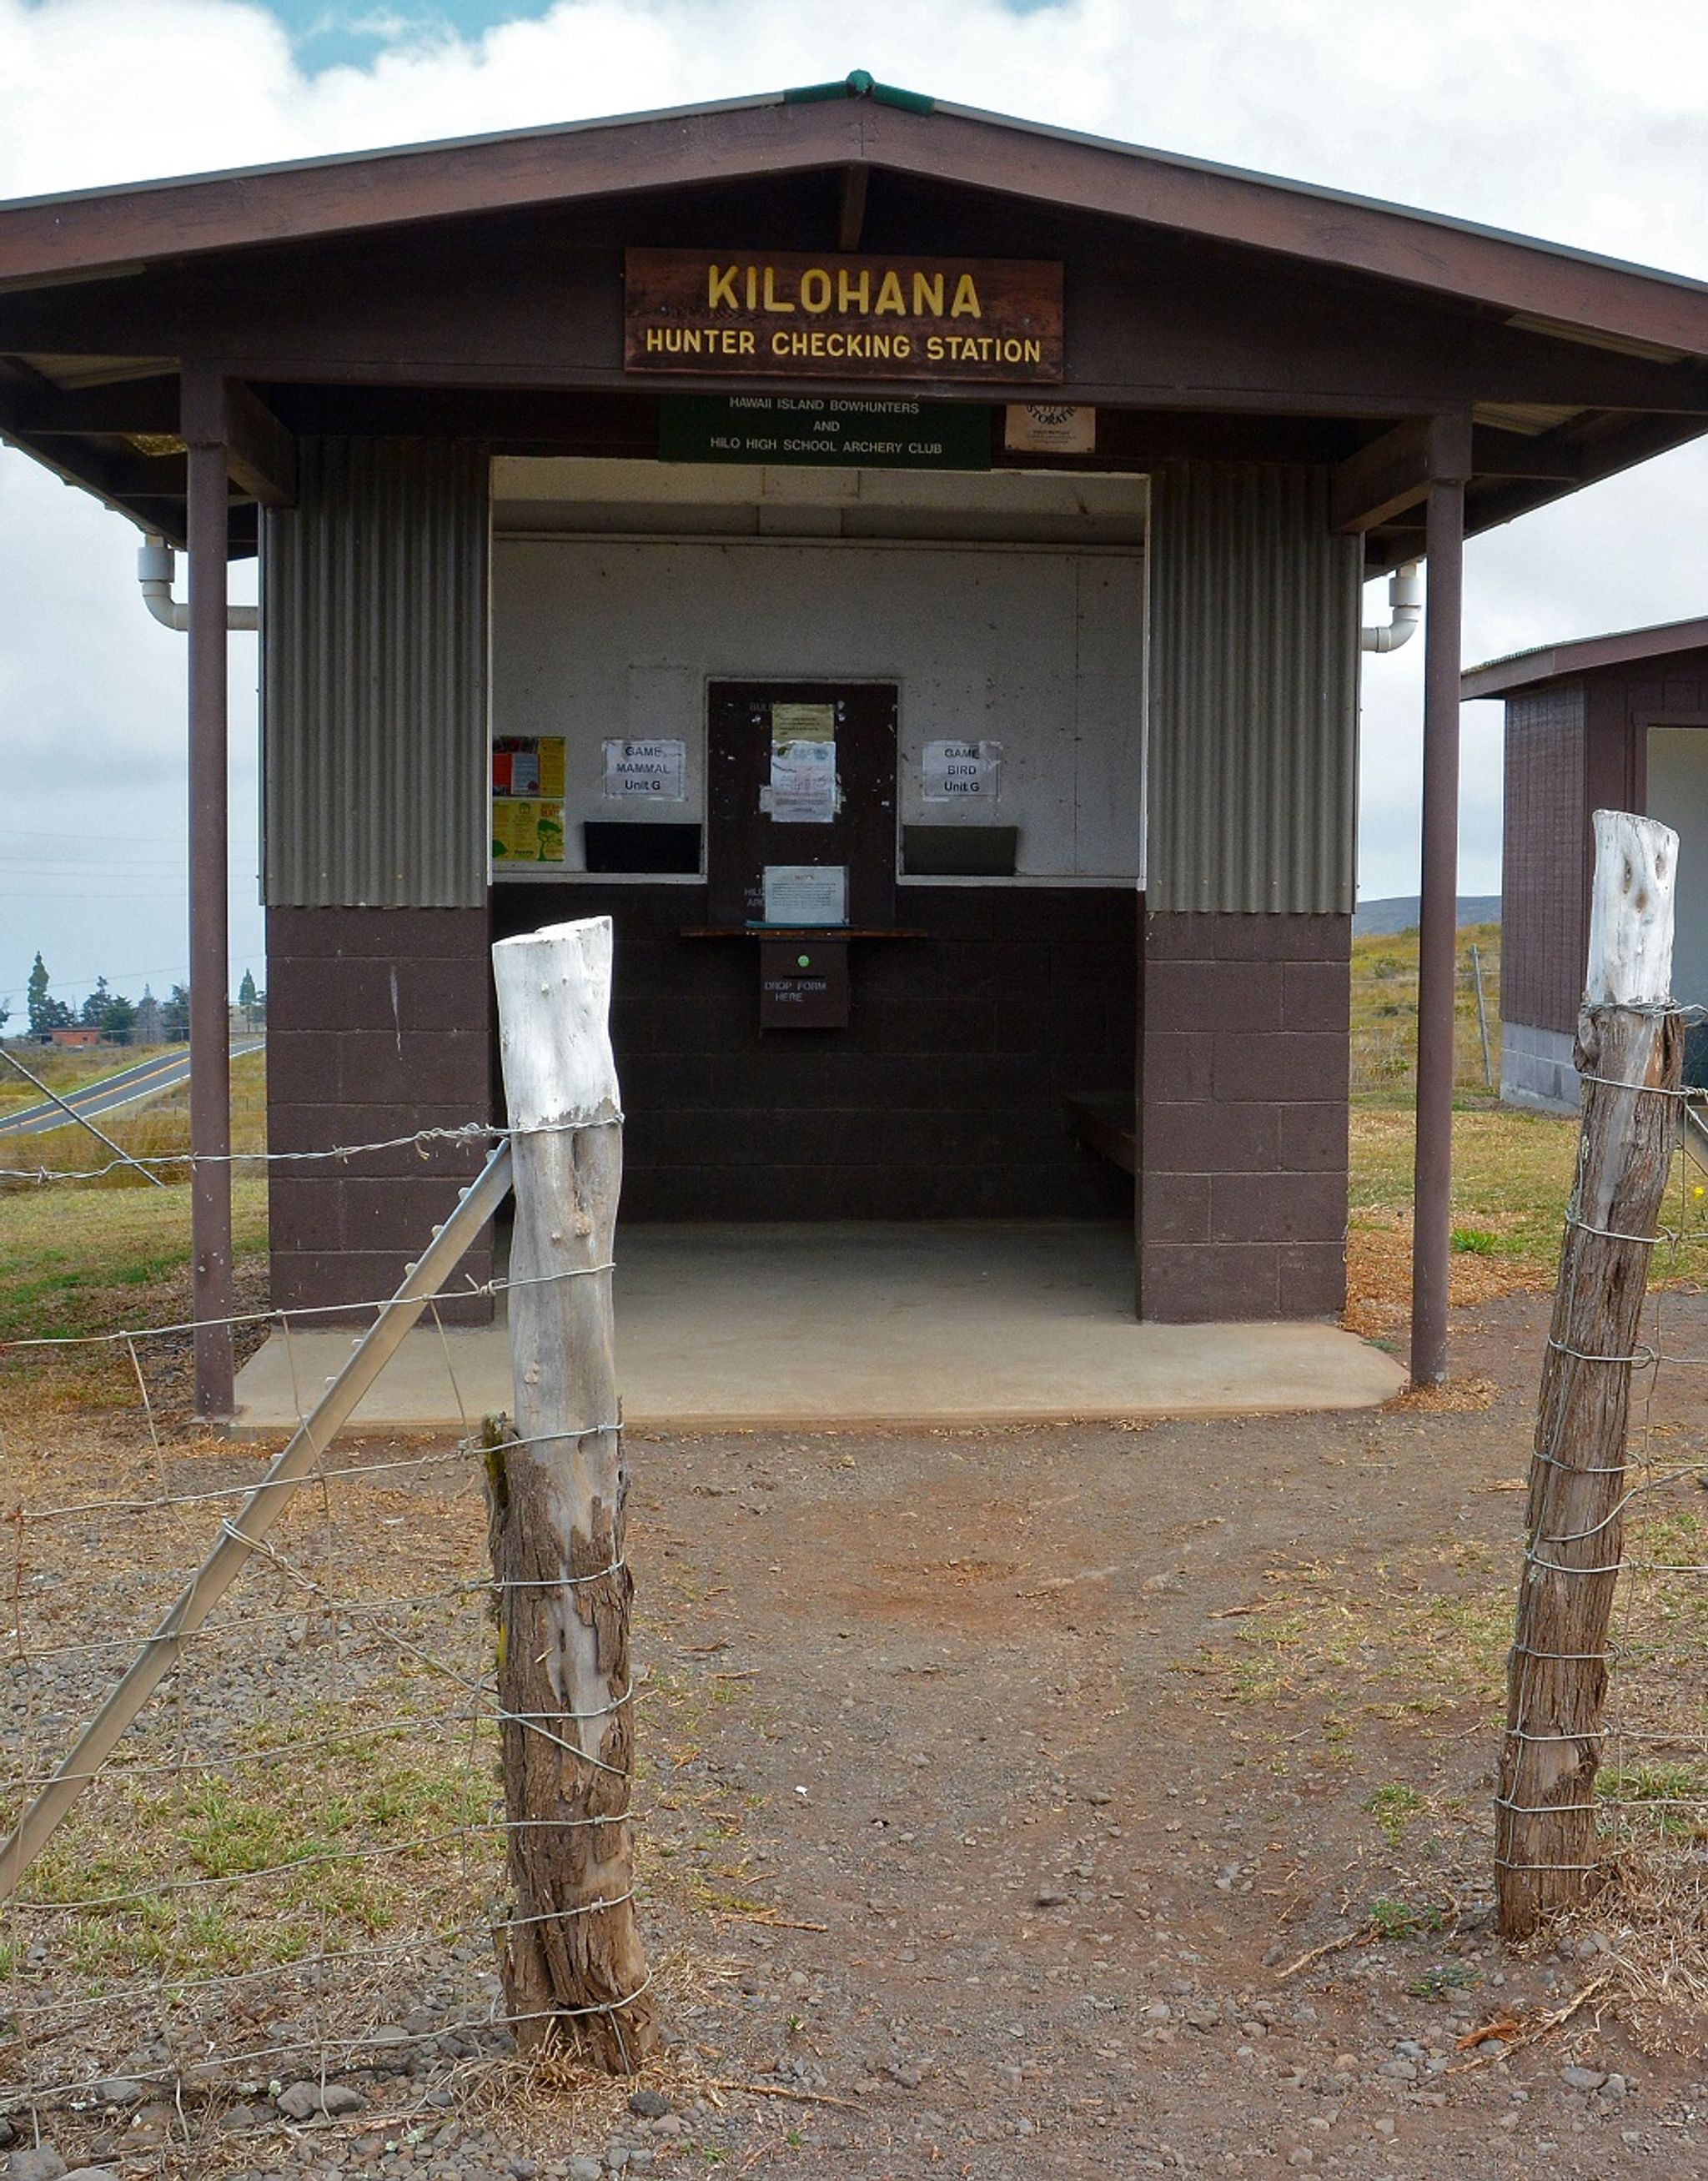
(148, 1030)
(252, 1003)
(93, 1013)
(175, 1014)
(119, 1020)
(37, 1002)
(45, 1012)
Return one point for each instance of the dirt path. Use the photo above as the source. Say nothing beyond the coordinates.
(1073, 1741)
(1079, 1803)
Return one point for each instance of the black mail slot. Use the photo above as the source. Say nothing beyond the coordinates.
(802, 983)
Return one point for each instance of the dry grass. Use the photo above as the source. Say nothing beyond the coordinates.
(1512, 1175)
(1384, 1013)
(159, 1129)
(67, 1071)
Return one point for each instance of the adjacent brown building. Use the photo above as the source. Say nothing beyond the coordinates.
(902, 564)
(1605, 722)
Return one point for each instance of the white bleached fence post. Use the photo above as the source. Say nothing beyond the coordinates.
(574, 1968)
(1630, 1045)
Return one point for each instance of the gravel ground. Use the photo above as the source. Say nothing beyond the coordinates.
(999, 1783)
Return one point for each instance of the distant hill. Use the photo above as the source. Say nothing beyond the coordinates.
(1379, 919)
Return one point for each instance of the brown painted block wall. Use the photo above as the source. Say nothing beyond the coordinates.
(1242, 1117)
(944, 1098)
(379, 1024)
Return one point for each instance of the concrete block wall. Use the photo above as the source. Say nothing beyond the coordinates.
(944, 1098)
(1539, 1068)
(1243, 1116)
(379, 1024)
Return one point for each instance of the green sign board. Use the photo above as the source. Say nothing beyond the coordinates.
(838, 430)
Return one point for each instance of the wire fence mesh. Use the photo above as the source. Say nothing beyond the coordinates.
(1647, 1902)
(287, 1883)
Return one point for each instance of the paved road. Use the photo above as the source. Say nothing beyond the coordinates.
(132, 1086)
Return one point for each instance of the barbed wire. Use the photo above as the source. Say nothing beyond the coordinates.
(467, 1134)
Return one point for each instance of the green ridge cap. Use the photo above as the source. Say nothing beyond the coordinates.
(859, 83)
(910, 102)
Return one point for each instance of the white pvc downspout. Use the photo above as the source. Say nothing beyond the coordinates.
(155, 562)
(1406, 604)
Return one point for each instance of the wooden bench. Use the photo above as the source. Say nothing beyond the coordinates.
(1106, 1122)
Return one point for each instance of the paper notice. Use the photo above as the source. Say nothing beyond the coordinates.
(805, 893)
(803, 723)
(960, 772)
(655, 769)
(802, 783)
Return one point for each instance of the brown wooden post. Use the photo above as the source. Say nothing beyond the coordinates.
(1557, 1674)
(203, 398)
(574, 1968)
(1438, 919)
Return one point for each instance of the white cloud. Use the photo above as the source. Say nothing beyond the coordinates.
(1567, 122)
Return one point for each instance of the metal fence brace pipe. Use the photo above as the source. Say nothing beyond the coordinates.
(256, 1517)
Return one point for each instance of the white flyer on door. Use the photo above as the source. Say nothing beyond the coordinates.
(802, 783)
(961, 772)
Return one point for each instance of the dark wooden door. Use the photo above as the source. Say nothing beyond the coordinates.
(752, 729)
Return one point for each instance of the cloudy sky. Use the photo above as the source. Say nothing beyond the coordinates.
(1578, 122)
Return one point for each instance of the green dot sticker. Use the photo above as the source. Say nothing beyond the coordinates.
(803, 961)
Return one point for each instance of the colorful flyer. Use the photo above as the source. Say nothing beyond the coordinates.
(527, 790)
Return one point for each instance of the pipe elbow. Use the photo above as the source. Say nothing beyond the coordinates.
(155, 565)
(1406, 610)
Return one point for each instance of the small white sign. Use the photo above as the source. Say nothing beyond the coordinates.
(1046, 428)
(655, 768)
(961, 772)
(802, 783)
(805, 893)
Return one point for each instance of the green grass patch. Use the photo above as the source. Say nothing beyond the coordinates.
(1394, 1807)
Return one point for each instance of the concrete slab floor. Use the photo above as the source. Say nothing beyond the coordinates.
(723, 1328)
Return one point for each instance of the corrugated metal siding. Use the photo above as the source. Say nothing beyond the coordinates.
(374, 678)
(1545, 857)
(1254, 693)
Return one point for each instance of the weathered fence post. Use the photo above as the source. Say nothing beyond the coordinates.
(1629, 1046)
(574, 1970)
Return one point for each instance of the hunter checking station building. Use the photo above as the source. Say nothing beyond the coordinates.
(903, 564)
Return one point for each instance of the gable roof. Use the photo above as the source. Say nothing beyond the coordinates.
(1572, 366)
(1552, 662)
(1547, 286)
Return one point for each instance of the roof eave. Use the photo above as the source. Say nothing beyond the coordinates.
(84, 232)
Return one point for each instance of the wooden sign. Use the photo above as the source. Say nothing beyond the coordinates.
(730, 314)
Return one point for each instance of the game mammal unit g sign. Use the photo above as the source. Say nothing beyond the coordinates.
(741, 314)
